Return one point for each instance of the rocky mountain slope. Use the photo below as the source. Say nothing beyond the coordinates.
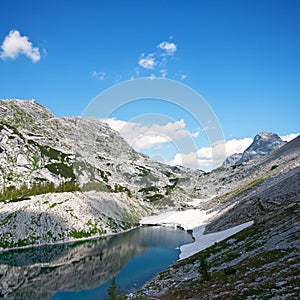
(263, 144)
(262, 261)
(63, 179)
(77, 164)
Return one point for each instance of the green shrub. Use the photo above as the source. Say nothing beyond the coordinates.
(61, 169)
(203, 268)
(12, 194)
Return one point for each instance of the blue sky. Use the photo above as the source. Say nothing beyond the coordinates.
(243, 57)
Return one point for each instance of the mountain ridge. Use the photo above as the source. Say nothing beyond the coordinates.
(90, 183)
(42, 154)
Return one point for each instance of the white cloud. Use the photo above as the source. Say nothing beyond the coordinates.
(147, 62)
(99, 75)
(207, 158)
(141, 136)
(237, 146)
(148, 140)
(157, 61)
(145, 137)
(289, 137)
(119, 124)
(169, 48)
(14, 45)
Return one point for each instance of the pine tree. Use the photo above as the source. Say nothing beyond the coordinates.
(113, 290)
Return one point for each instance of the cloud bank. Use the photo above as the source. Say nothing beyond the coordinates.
(207, 157)
(289, 137)
(141, 136)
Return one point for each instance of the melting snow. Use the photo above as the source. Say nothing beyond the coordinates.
(193, 219)
(203, 241)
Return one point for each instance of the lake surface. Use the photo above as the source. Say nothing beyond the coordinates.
(83, 270)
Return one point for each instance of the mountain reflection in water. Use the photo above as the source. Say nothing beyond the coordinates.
(82, 270)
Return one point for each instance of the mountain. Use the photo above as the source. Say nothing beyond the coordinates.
(260, 262)
(232, 159)
(64, 179)
(67, 178)
(263, 144)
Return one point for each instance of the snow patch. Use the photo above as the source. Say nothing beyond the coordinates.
(204, 241)
(187, 219)
(195, 220)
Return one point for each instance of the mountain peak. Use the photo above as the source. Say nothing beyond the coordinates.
(267, 135)
(17, 109)
(263, 144)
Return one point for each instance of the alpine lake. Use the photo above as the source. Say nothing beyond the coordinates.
(85, 269)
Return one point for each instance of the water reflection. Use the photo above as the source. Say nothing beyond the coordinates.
(83, 269)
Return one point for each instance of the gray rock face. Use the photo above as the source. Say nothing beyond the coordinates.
(232, 159)
(37, 148)
(264, 143)
(43, 157)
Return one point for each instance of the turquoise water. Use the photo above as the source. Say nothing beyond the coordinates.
(84, 270)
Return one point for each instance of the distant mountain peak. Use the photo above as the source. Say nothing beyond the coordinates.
(263, 143)
(267, 136)
(232, 159)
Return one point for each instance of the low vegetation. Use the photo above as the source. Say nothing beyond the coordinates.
(241, 189)
(13, 194)
(260, 262)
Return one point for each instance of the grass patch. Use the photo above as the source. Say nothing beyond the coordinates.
(240, 190)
